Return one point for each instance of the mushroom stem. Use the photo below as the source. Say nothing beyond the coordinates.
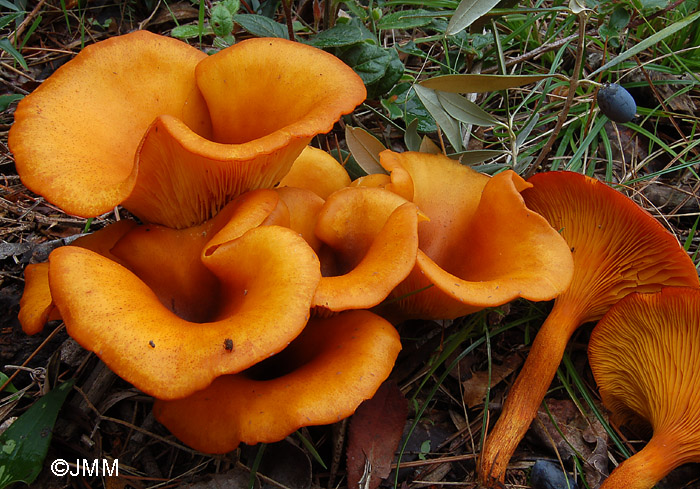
(647, 467)
(527, 392)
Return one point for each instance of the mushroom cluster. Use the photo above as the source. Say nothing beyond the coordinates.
(255, 261)
(256, 292)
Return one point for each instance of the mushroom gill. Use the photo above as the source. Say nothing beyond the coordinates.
(645, 357)
(618, 248)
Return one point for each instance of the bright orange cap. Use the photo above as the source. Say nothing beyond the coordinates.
(482, 246)
(321, 378)
(258, 289)
(174, 135)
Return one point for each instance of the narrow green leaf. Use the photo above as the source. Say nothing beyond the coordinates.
(406, 19)
(10, 5)
(449, 126)
(466, 111)
(427, 145)
(471, 83)
(411, 137)
(10, 388)
(23, 446)
(365, 148)
(646, 43)
(7, 19)
(7, 46)
(261, 26)
(467, 12)
(523, 135)
(477, 156)
(311, 448)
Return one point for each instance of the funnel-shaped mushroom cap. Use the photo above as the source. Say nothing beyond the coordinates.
(645, 357)
(74, 139)
(373, 237)
(321, 378)
(36, 305)
(175, 135)
(266, 280)
(317, 171)
(618, 248)
(482, 246)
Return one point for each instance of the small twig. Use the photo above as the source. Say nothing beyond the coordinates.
(27, 20)
(145, 22)
(534, 53)
(637, 22)
(24, 364)
(288, 18)
(573, 84)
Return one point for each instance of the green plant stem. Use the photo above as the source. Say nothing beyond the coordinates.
(573, 84)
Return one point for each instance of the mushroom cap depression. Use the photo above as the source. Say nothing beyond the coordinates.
(175, 134)
(321, 378)
(370, 238)
(161, 324)
(645, 357)
(481, 247)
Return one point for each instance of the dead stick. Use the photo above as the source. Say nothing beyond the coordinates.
(573, 84)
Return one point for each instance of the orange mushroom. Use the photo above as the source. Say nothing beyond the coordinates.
(265, 283)
(618, 248)
(321, 378)
(481, 247)
(317, 171)
(645, 357)
(174, 134)
(36, 306)
(371, 239)
(167, 260)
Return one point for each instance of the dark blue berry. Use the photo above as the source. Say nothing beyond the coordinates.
(616, 103)
(548, 475)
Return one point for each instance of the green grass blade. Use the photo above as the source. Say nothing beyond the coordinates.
(647, 43)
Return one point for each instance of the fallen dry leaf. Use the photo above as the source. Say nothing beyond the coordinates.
(582, 434)
(476, 387)
(373, 436)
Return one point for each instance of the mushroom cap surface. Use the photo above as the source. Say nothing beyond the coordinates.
(175, 134)
(371, 239)
(481, 247)
(262, 282)
(321, 378)
(317, 171)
